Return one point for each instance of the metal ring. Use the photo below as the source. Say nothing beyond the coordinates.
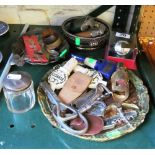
(119, 50)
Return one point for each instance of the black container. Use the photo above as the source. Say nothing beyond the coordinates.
(84, 43)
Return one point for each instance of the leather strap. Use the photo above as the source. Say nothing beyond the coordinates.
(53, 45)
(51, 39)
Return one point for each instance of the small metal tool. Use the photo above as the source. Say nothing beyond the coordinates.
(125, 117)
(87, 100)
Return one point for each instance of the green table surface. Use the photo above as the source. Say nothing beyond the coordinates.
(33, 130)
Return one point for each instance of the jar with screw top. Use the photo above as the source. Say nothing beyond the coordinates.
(19, 91)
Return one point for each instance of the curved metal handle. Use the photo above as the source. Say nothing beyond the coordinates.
(59, 106)
(62, 123)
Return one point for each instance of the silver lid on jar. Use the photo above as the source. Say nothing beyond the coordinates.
(17, 81)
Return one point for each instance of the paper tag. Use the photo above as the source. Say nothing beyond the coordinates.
(123, 35)
(77, 41)
(14, 76)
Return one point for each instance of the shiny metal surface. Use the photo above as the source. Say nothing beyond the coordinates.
(17, 81)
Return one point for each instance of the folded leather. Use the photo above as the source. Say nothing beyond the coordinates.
(74, 87)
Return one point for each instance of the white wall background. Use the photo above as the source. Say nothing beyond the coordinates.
(47, 14)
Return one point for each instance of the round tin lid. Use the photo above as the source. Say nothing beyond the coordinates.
(17, 81)
(4, 27)
(122, 47)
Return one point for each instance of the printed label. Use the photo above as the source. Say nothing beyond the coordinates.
(14, 76)
(122, 35)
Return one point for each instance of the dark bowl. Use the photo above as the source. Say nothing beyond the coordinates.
(85, 43)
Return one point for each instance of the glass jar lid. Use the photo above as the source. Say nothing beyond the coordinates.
(17, 81)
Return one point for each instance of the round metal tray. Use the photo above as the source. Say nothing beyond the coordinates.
(138, 90)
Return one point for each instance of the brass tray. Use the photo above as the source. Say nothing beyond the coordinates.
(140, 92)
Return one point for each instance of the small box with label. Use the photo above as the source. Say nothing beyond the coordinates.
(122, 48)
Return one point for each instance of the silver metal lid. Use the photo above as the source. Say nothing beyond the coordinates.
(17, 81)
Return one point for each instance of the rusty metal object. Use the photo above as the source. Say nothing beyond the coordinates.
(86, 34)
(92, 33)
(120, 85)
(47, 32)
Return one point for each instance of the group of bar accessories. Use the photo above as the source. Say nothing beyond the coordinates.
(91, 99)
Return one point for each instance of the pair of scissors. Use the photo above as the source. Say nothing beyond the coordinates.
(59, 107)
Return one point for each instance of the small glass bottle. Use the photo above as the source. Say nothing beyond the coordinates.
(19, 92)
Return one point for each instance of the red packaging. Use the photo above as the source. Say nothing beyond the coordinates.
(34, 50)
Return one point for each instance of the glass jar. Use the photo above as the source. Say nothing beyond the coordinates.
(19, 91)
